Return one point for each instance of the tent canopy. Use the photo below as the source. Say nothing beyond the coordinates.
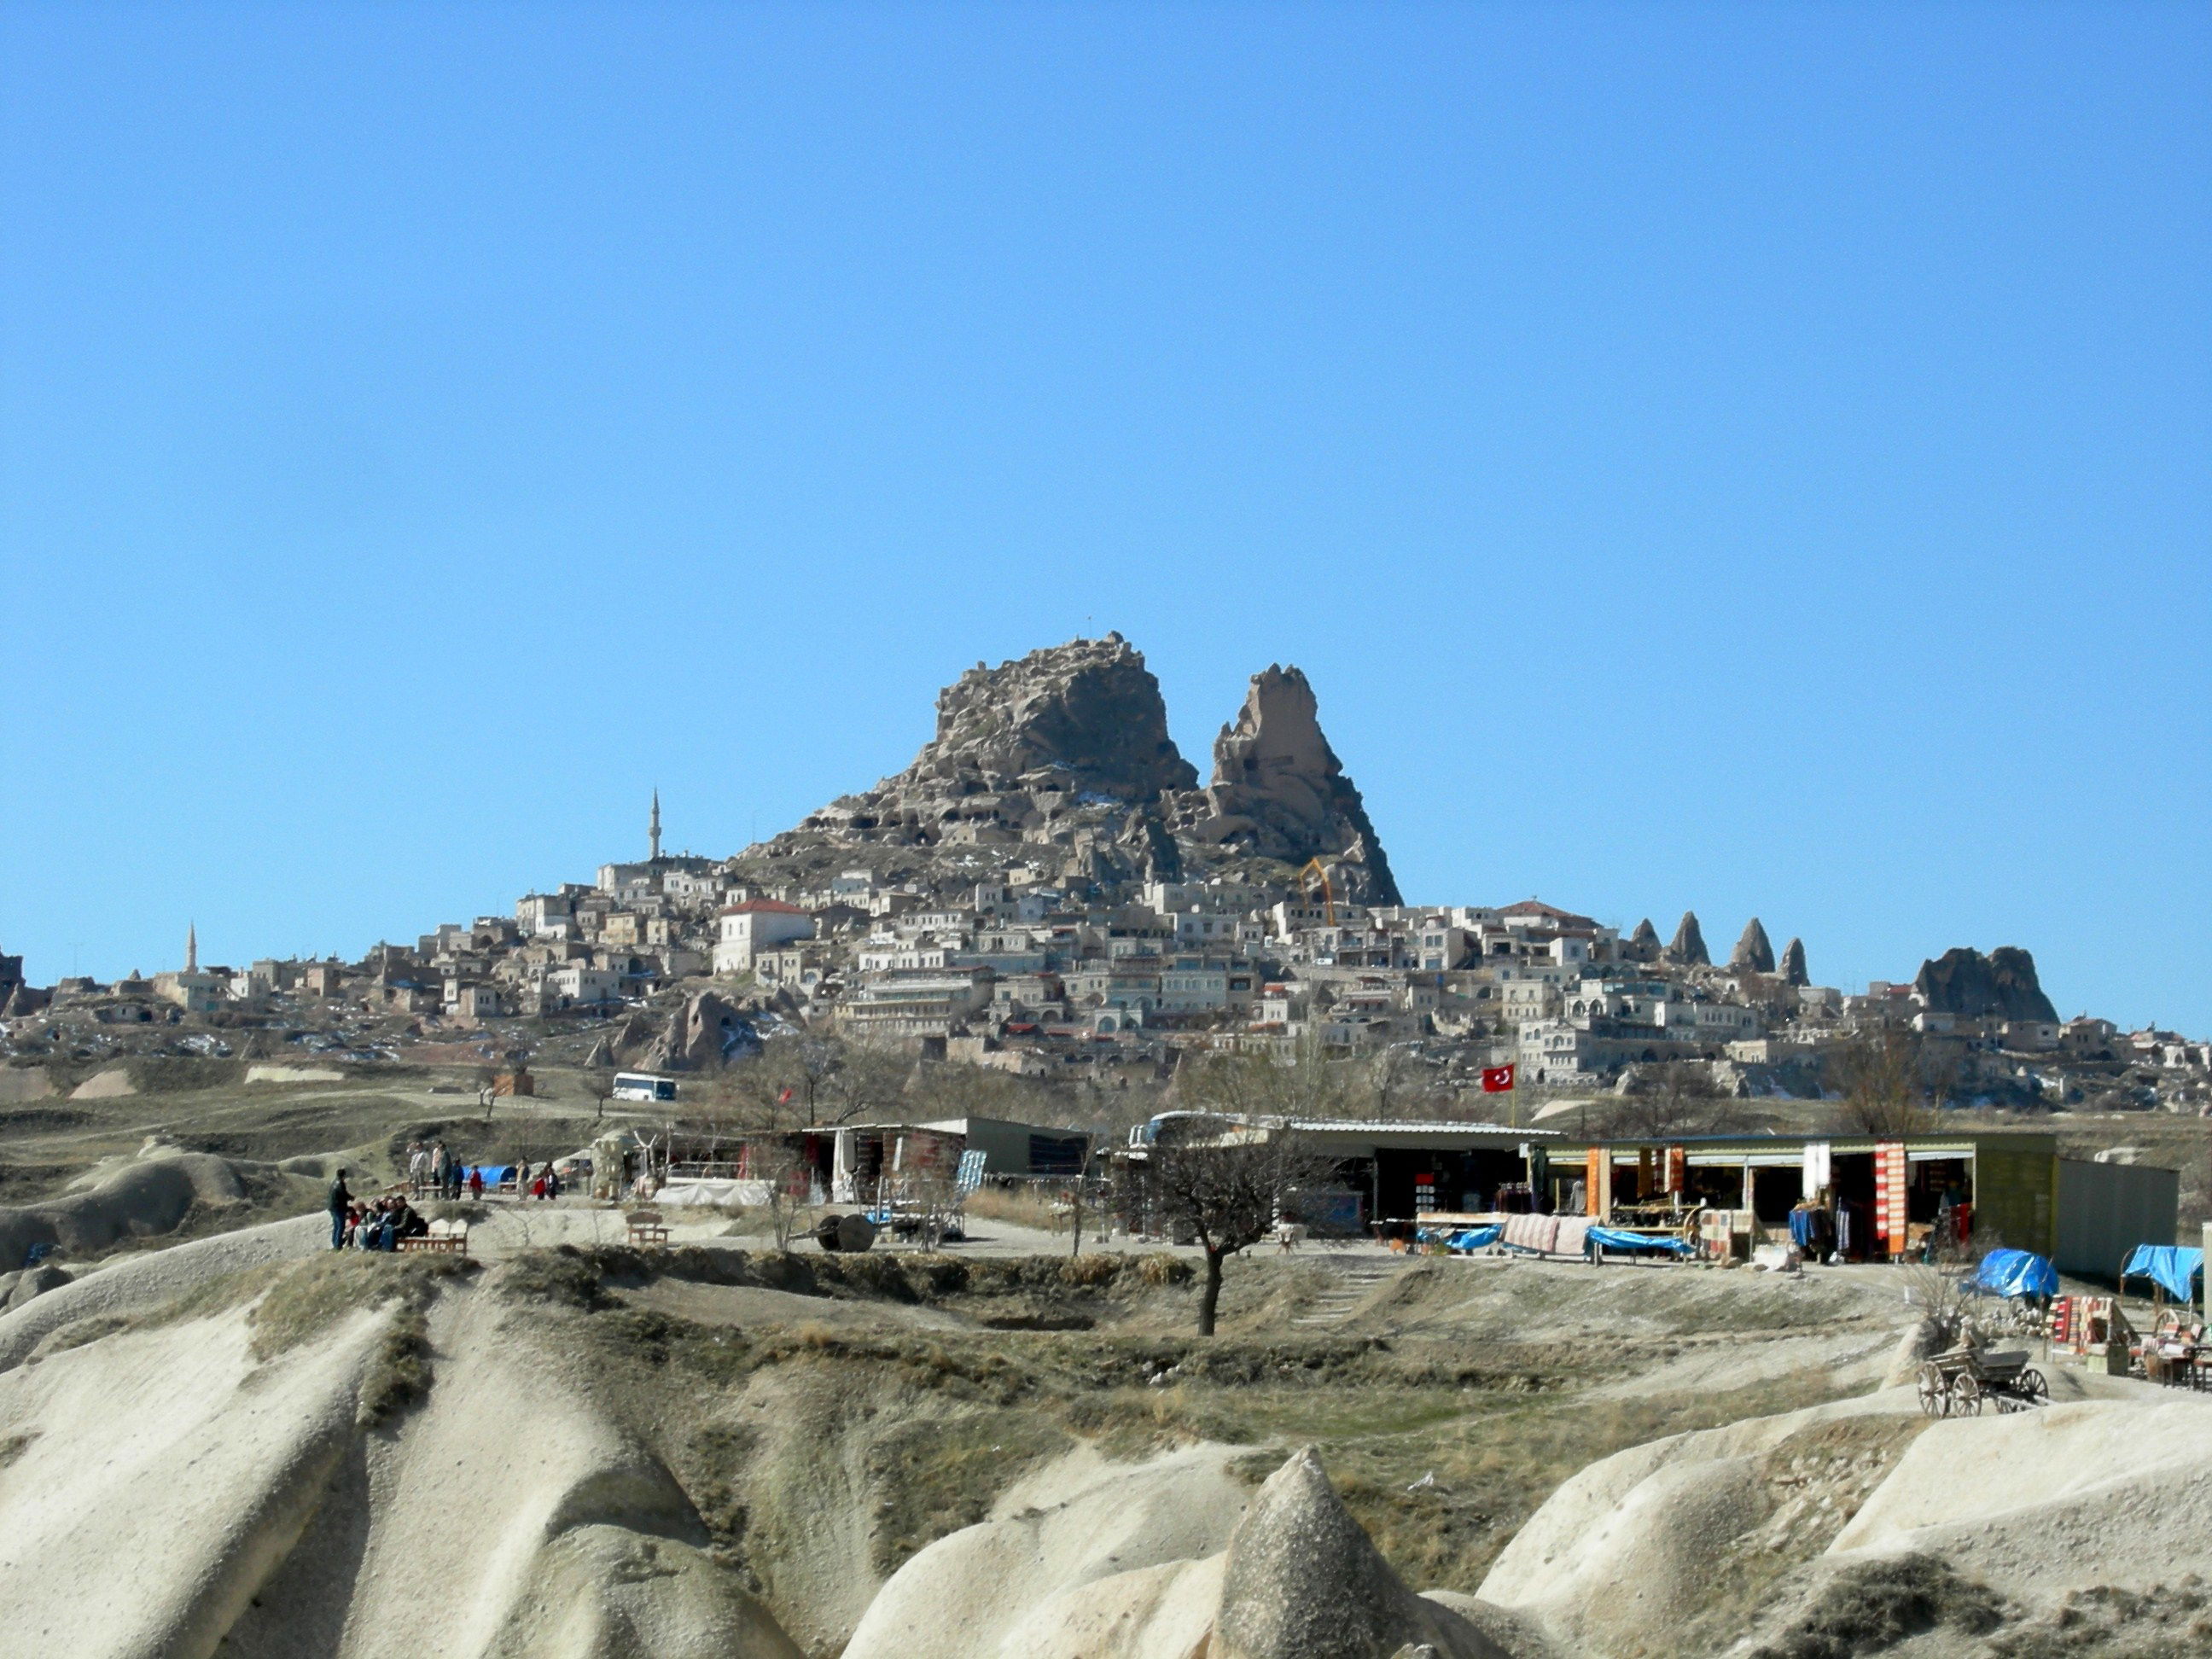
(2169, 1265)
(2015, 1273)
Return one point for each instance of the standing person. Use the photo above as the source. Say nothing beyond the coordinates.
(340, 1198)
(475, 1181)
(552, 1181)
(537, 1184)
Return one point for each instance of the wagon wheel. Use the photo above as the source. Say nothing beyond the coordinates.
(1933, 1401)
(2030, 1389)
(1965, 1396)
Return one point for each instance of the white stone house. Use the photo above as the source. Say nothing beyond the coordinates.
(744, 928)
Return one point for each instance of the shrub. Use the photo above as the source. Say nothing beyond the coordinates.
(1160, 1270)
(1873, 1605)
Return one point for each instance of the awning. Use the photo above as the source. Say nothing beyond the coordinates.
(2170, 1265)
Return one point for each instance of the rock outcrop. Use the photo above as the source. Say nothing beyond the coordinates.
(1687, 948)
(2002, 985)
(150, 1194)
(1303, 1581)
(1278, 789)
(705, 1033)
(1793, 964)
(1059, 764)
(1133, 1567)
(1643, 944)
(1065, 749)
(1753, 952)
(1089, 710)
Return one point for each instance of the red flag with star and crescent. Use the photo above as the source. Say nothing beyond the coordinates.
(1496, 1079)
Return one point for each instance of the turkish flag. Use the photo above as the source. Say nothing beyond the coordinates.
(1496, 1079)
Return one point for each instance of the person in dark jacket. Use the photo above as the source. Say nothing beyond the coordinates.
(340, 1198)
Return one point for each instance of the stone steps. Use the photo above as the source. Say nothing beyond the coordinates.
(1356, 1281)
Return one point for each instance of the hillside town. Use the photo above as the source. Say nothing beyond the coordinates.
(1047, 891)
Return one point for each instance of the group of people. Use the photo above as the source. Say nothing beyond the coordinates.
(378, 1224)
(371, 1224)
(432, 1169)
(544, 1183)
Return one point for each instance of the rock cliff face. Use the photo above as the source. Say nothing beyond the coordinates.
(1066, 750)
(2003, 985)
(1062, 761)
(1278, 789)
(1089, 711)
(1643, 944)
(1793, 964)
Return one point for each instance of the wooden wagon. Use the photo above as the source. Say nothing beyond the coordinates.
(1955, 1382)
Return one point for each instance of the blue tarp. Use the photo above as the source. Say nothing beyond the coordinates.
(2015, 1273)
(1612, 1238)
(2170, 1265)
(1460, 1238)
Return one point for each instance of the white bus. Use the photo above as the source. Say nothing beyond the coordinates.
(644, 1086)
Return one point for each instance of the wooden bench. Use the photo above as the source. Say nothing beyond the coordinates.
(647, 1227)
(444, 1239)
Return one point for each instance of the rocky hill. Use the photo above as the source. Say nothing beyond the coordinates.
(1279, 790)
(1060, 762)
(2002, 985)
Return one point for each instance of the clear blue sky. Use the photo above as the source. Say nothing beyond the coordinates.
(1754, 457)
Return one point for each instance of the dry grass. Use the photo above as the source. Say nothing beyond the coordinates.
(1872, 1606)
(2164, 1622)
(1019, 1207)
(398, 1376)
(315, 1296)
(934, 1477)
(1498, 1424)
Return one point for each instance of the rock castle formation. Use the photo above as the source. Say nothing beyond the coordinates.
(1062, 761)
(2002, 984)
(1279, 789)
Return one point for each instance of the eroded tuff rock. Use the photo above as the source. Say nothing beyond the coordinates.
(1793, 964)
(707, 1031)
(1973, 986)
(1303, 1581)
(1089, 709)
(1066, 750)
(1278, 789)
(1687, 948)
(1754, 952)
(1062, 761)
(1643, 944)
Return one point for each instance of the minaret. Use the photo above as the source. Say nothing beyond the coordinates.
(655, 832)
(191, 948)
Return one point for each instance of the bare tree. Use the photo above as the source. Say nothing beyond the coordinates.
(1301, 1086)
(840, 1080)
(1398, 1081)
(1229, 1193)
(1676, 1097)
(771, 1160)
(1887, 1084)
